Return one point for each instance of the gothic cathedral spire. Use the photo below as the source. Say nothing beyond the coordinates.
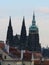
(9, 39)
(33, 21)
(10, 21)
(23, 35)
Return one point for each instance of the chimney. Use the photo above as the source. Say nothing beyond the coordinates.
(32, 57)
(22, 51)
(7, 48)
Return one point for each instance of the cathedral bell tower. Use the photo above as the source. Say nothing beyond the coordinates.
(33, 40)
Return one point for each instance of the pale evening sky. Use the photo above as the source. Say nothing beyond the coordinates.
(19, 8)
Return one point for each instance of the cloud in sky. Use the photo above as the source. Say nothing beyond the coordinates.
(43, 10)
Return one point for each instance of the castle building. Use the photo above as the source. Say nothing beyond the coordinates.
(23, 41)
(22, 49)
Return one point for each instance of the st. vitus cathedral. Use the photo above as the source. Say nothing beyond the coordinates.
(22, 41)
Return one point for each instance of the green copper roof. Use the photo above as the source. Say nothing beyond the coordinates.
(33, 26)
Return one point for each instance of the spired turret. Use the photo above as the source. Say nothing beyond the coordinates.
(9, 34)
(23, 36)
(33, 28)
(33, 40)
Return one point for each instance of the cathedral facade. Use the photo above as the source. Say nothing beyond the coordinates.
(22, 41)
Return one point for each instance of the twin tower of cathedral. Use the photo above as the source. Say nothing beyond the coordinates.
(22, 41)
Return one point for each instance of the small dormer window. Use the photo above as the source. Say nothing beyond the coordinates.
(0, 55)
(8, 64)
(4, 57)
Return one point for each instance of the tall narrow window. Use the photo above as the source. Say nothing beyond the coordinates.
(4, 57)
